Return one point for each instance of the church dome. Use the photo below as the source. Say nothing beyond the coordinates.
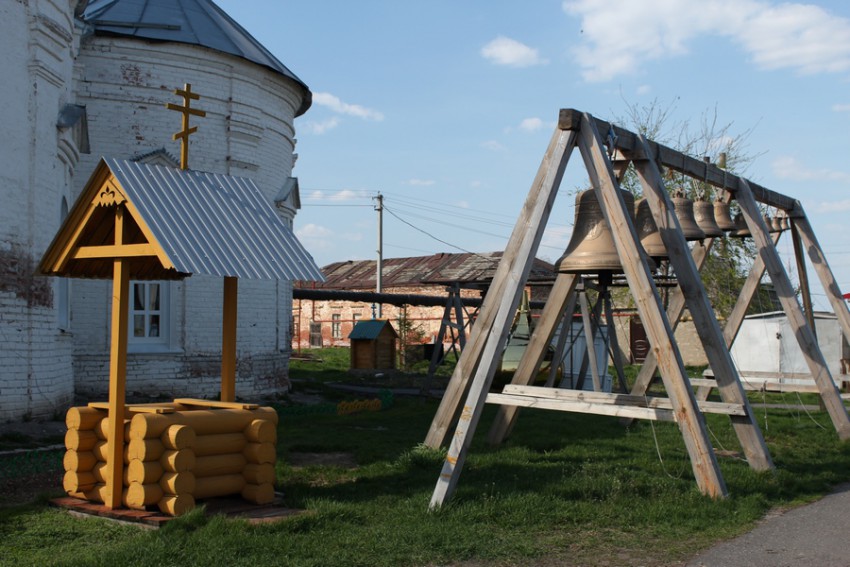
(194, 22)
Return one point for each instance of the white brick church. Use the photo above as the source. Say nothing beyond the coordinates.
(85, 79)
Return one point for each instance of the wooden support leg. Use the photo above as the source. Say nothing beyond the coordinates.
(616, 355)
(705, 321)
(591, 325)
(811, 352)
(508, 283)
(739, 312)
(824, 272)
(689, 419)
(525, 239)
(228, 340)
(563, 337)
(563, 291)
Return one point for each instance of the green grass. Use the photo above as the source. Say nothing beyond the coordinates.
(575, 489)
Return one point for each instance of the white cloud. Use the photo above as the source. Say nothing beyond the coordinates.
(322, 127)
(833, 207)
(510, 52)
(802, 37)
(788, 167)
(841, 107)
(531, 124)
(345, 195)
(313, 231)
(462, 204)
(420, 182)
(493, 145)
(335, 104)
(643, 90)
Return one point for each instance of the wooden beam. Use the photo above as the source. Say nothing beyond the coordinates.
(228, 339)
(117, 370)
(528, 230)
(636, 412)
(690, 421)
(616, 399)
(616, 354)
(114, 251)
(563, 292)
(822, 269)
(590, 329)
(628, 143)
(509, 279)
(787, 297)
(705, 321)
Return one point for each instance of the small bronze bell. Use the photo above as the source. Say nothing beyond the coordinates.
(741, 228)
(776, 224)
(772, 227)
(722, 216)
(684, 209)
(647, 231)
(591, 249)
(704, 216)
(784, 223)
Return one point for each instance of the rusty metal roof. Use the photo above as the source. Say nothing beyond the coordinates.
(196, 22)
(467, 269)
(198, 223)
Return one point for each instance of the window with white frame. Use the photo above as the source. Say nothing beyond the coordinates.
(149, 314)
(336, 327)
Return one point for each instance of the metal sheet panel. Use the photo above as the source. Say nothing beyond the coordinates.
(214, 224)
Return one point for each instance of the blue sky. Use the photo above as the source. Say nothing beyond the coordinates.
(446, 107)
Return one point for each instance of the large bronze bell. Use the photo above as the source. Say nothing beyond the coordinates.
(684, 209)
(647, 231)
(741, 228)
(591, 249)
(704, 217)
(723, 216)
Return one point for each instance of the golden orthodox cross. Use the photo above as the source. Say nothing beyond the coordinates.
(186, 110)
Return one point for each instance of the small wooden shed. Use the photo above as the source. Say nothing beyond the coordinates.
(373, 345)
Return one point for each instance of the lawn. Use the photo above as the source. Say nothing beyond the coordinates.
(565, 489)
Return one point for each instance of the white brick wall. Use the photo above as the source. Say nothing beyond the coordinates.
(125, 84)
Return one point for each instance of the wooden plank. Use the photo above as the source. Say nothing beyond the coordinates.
(562, 293)
(215, 404)
(228, 339)
(114, 251)
(510, 276)
(135, 408)
(759, 384)
(617, 399)
(787, 297)
(705, 321)
(691, 424)
(655, 414)
(628, 143)
(532, 219)
(117, 369)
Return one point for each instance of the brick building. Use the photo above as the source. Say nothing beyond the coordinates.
(83, 79)
(328, 322)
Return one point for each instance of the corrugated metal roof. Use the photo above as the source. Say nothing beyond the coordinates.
(439, 269)
(214, 224)
(196, 22)
(368, 330)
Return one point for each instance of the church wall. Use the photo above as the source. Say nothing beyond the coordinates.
(36, 380)
(247, 132)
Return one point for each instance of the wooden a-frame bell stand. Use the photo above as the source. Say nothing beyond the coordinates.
(474, 372)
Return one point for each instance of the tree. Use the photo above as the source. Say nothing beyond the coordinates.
(728, 264)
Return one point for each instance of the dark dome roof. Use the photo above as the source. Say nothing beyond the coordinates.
(196, 22)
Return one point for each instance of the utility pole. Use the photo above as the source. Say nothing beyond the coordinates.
(378, 276)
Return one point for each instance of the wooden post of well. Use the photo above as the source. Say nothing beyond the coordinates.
(228, 340)
(117, 369)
